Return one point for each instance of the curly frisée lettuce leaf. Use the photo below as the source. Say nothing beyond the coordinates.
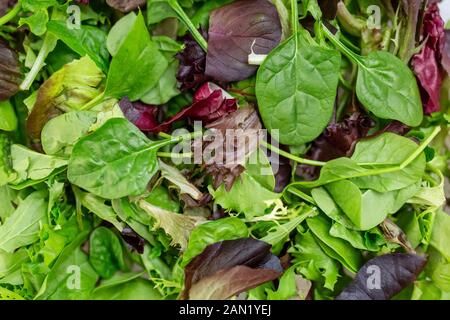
(68, 89)
(229, 267)
(177, 226)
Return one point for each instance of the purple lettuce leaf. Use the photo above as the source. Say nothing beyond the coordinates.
(210, 103)
(233, 30)
(229, 267)
(337, 141)
(427, 63)
(383, 277)
(191, 73)
(133, 240)
(9, 72)
(126, 5)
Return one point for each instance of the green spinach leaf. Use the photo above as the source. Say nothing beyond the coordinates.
(105, 252)
(296, 89)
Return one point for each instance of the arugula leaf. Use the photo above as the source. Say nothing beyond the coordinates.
(137, 56)
(296, 89)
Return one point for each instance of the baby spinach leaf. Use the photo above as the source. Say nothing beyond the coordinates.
(334, 247)
(105, 252)
(212, 232)
(22, 227)
(86, 40)
(115, 161)
(368, 208)
(388, 88)
(60, 134)
(389, 148)
(296, 89)
(134, 289)
(370, 240)
(385, 85)
(137, 56)
(328, 206)
(119, 32)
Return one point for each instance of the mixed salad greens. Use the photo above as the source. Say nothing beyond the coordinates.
(118, 118)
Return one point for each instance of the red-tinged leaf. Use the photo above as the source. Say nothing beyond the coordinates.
(133, 240)
(9, 72)
(227, 283)
(191, 73)
(383, 277)
(329, 8)
(142, 115)
(446, 52)
(337, 141)
(427, 63)
(248, 261)
(210, 103)
(233, 30)
(222, 170)
(126, 5)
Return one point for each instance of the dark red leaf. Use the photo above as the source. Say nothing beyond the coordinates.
(191, 73)
(126, 5)
(337, 141)
(135, 241)
(233, 29)
(5, 5)
(9, 72)
(383, 277)
(446, 53)
(229, 267)
(210, 103)
(329, 8)
(142, 115)
(427, 63)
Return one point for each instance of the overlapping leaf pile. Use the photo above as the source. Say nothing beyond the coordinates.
(115, 136)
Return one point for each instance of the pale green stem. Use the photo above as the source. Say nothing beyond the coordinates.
(11, 14)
